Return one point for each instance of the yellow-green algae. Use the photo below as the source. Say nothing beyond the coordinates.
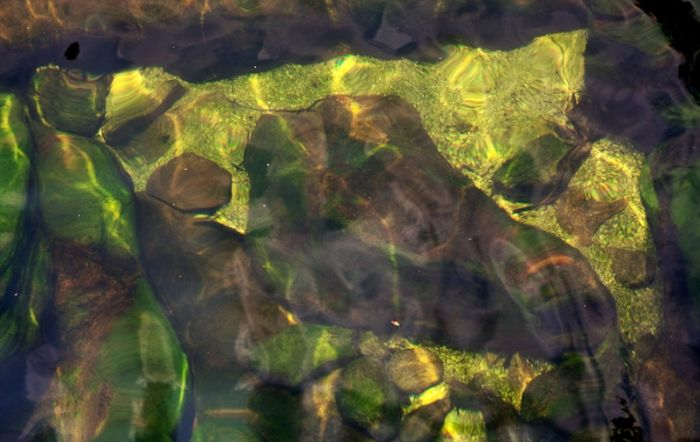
(295, 353)
(478, 106)
(504, 377)
(613, 171)
(464, 426)
(490, 101)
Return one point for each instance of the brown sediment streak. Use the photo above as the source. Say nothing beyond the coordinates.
(555, 260)
(230, 413)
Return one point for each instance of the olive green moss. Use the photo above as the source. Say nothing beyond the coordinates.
(504, 377)
(478, 106)
(26, 291)
(291, 356)
(481, 108)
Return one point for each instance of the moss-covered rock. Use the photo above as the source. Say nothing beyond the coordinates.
(577, 388)
(367, 399)
(134, 103)
(122, 373)
(294, 354)
(15, 149)
(70, 101)
(81, 193)
(464, 426)
(538, 172)
(413, 370)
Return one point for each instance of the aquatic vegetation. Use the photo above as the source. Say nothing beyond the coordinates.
(399, 238)
(81, 195)
(298, 351)
(366, 398)
(69, 101)
(14, 160)
(190, 182)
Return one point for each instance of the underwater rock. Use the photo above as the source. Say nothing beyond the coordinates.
(203, 273)
(14, 162)
(425, 423)
(366, 398)
(70, 101)
(480, 412)
(541, 171)
(413, 370)
(575, 397)
(361, 205)
(116, 347)
(464, 425)
(581, 216)
(635, 269)
(134, 103)
(26, 292)
(190, 182)
(301, 350)
(81, 193)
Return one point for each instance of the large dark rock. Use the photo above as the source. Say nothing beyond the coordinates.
(360, 204)
(582, 217)
(190, 182)
(633, 268)
(202, 272)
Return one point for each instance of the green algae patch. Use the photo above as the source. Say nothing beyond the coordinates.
(685, 211)
(481, 108)
(464, 426)
(14, 164)
(291, 356)
(478, 106)
(503, 377)
(82, 196)
(26, 292)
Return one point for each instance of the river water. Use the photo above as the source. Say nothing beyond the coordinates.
(455, 220)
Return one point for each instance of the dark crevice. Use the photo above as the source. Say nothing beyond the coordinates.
(678, 21)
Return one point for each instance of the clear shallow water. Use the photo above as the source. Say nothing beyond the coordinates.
(453, 221)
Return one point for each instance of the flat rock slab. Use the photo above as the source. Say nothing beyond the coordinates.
(190, 182)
